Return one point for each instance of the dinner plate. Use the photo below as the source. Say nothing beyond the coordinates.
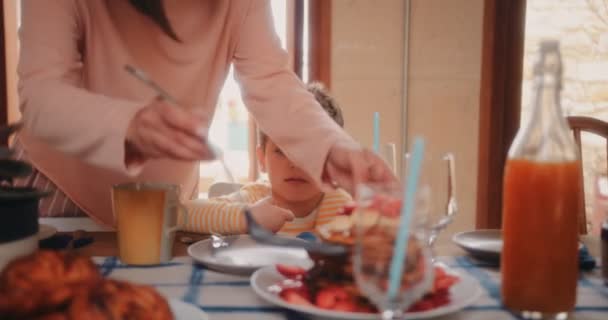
(244, 255)
(462, 294)
(186, 311)
(45, 231)
(484, 245)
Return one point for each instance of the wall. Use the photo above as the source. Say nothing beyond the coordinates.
(443, 78)
(10, 38)
(367, 66)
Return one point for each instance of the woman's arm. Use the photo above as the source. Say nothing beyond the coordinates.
(55, 107)
(96, 128)
(282, 106)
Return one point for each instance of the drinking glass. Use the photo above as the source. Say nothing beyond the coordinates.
(376, 226)
(437, 185)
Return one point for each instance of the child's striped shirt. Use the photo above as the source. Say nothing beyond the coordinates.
(224, 215)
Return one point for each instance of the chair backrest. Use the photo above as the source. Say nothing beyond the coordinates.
(591, 125)
(219, 189)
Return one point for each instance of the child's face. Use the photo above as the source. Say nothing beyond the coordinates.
(286, 180)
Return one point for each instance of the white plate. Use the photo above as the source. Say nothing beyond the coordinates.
(244, 255)
(462, 294)
(186, 311)
(46, 231)
(484, 245)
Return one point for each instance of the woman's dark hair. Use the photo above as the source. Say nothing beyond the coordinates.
(154, 10)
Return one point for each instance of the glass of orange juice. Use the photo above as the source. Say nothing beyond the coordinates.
(146, 216)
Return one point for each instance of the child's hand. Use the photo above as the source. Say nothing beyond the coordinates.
(270, 216)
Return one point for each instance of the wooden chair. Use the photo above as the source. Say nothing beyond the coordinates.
(597, 127)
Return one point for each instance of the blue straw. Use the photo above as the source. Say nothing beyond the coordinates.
(376, 147)
(407, 209)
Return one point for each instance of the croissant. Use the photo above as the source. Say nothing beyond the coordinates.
(51, 285)
(111, 299)
(45, 280)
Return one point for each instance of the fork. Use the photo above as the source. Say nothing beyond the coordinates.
(263, 235)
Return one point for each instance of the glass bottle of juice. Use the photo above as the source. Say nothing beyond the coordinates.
(541, 200)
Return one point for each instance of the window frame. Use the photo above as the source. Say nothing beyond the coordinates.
(500, 102)
(4, 107)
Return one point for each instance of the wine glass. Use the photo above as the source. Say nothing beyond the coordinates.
(437, 184)
(389, 155)
(376, 220)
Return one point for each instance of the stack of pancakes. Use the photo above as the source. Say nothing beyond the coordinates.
(378, 233)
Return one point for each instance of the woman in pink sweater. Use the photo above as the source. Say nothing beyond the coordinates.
(89, 125)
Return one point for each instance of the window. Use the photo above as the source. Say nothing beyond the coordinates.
(230, 129)
(304, 27)
(581, 26)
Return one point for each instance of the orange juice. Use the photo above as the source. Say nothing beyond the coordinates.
(539, 262)
(139, 222)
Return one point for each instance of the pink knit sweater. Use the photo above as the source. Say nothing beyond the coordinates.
(77, 100)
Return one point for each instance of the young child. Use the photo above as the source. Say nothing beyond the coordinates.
(289, 203)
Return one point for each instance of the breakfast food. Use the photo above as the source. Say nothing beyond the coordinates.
(112, 299)
(53, 285)
(330, 283)
(42, 281)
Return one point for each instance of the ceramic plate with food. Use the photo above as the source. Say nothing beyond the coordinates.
(243, 255)
(336, 303)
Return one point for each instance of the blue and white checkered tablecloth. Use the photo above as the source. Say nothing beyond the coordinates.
(230, 297)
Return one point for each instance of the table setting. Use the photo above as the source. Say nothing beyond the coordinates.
(381, 258)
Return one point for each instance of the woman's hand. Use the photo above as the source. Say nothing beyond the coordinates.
(160, 130)
(269, 216)
(349, 165)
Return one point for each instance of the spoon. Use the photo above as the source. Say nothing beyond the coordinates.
(263, 235)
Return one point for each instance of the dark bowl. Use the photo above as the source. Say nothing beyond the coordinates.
(10, 169)
(19, 212)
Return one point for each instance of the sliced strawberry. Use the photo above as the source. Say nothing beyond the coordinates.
(439, 272)
(445, 292)
(365, 309)
(391, 208)
(341, 293)
(387, 206)
(422, 305)
(328, 297)
(292, 272)
(439, 300)
(348, 209)
(295, 296)
(345, 306)
(444, 283)
(378, 201)
(325, 299)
